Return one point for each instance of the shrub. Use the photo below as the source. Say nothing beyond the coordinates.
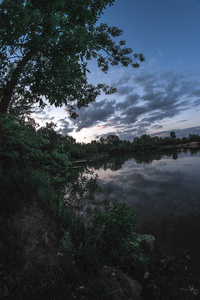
(111, 239)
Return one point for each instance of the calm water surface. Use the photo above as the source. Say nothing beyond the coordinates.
(165, 191)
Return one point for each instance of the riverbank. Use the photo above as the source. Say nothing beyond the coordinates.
(47, 252)
(39, 268)
(64, 248)
(191, 145)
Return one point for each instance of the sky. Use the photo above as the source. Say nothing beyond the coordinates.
(162, 95)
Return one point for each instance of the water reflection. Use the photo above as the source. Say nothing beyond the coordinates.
(165, 191)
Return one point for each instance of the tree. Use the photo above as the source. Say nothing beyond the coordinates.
(112, 140)
(172, 135)
(194, 138)
(45, 46)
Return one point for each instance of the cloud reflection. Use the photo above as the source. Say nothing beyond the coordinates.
(162, 188)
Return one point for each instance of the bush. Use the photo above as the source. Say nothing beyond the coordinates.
(111, 240)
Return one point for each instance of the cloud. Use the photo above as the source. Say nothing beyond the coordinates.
(196, 103)
(40, 113)
(101, 126)
(159, 52)
(162, 97)
(124, 90)
(130, 100)
(129, 115)
(64, 126)
(43, 115)
(123, 80)
(181, 132)
(96, 112)
(143, 102)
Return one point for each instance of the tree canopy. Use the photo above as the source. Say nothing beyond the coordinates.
(45, 46)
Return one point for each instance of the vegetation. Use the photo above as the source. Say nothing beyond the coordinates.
(113, 145)
(74, 246)
(47, 248)
(45, 47)
(57, 232)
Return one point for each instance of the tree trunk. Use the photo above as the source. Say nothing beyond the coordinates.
(11, 84)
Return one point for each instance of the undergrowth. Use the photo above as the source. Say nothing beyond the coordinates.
(101, 235)
(57, 236)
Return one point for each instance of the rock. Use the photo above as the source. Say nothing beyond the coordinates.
(123, 286)
(135, 288)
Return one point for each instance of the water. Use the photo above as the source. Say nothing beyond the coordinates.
(165, 191)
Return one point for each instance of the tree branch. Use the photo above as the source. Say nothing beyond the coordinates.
(11, 84)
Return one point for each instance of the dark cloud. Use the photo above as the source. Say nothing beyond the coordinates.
(142, 102)
(143, 79)
(197, 102)
(96, 112)
(39, 110)
(129, 101)
(131, 114)
(64, 126)
(124, 90)
(180, 132)
(163, 97)
(65, 131)
(123, 80)
(196, 92)
(42, 114)
(187, 131)
(51, 119)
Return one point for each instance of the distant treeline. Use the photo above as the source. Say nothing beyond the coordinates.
(113, 145)
(23, 143)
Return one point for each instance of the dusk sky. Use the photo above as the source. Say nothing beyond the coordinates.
(163, 94)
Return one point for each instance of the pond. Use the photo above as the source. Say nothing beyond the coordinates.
(165, 191)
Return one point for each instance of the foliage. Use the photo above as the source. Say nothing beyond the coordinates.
(112, 238)
(114, 146)
(108, 240)
(105, 227)
(19, 185)
(21, 146)
(90, 230)
(35, 169)
(172, 134)
(45, 47)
